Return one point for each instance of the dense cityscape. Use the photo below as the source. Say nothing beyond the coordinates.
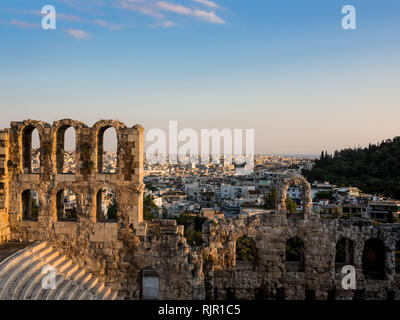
(215, 190)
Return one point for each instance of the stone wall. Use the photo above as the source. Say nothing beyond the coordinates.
(269, 278)
(96, 244)
(123, 251)
(4, 224)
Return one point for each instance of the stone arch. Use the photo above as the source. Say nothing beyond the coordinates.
(281, 192)
(344, 253)
(99, 129)
(107, 203)
(55, 197)
(31, 205)
(294, 255)
(373, 259)
(397, 257)
(59, 130)
(26, 146)
(66, 205)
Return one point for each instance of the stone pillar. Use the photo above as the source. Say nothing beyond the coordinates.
(4, 222)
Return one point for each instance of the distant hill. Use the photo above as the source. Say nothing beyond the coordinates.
(375, 169)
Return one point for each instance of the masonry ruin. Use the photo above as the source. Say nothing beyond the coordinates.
(152, 260)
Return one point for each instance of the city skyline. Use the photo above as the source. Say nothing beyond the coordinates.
(285, 69)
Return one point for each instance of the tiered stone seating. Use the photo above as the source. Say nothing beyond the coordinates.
(21, 277)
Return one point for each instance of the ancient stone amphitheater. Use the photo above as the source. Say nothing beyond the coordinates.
(127, 258)
(21, 277)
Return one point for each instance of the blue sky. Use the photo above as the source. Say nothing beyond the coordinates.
(285, 68)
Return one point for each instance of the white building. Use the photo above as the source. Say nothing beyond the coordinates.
(158, 201)
(192, 189)
(233, 192)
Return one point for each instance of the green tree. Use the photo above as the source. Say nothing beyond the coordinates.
(291, 206)
(294, 248)
(270, 202)
(375, 169)
(35, 209)
(112, 212)
(192, 226)
(245, 249)
(324, 195)
(148, 207)
(150, 187)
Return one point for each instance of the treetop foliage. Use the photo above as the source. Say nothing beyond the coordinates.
(375, 169)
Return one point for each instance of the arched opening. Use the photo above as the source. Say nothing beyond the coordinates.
(66, 205)
(344, 253)
(106, 205)
(293, 198)
(30, 205)
(397, 257)
(294, 255)
(30, 150)
(293, 186)
(246, 252)
(107, 150)
(65, 150)
(373, 259)
(150, 284)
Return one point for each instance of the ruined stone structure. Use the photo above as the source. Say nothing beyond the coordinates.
(21, 277)
(296, 256)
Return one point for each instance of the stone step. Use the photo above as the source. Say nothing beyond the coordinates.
(86, 294)
(64, 266)
(104, 293)
(15, 270)
(48, 294)
(70, 270)
(17, 256)
(20, 282)
(113, 295)
(39, 291)
(22, 257)
(84, 279)
(81, 294)
(73, 291)
(62, 291)
(78, 274)
(92, 283)
(37, 278)
(12, 278)
(43, 252)
(21, 277)
(98, 288)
